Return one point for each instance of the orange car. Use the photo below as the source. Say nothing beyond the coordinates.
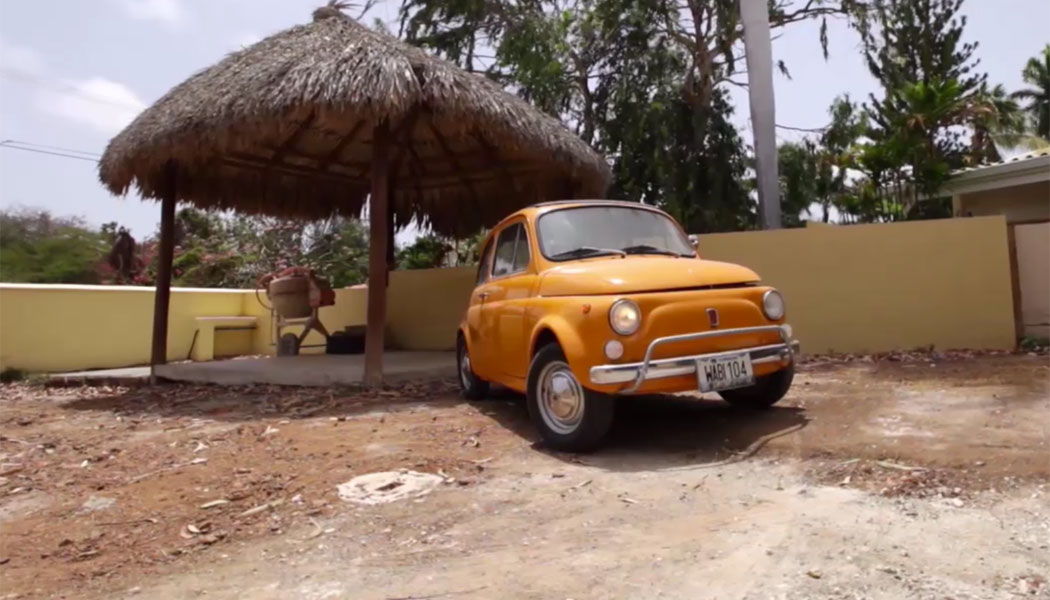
(578, 302)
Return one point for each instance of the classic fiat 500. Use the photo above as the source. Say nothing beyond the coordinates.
(578, 302)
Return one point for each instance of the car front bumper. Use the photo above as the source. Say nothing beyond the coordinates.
(638, 373)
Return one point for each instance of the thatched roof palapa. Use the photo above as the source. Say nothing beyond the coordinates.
(284, 128)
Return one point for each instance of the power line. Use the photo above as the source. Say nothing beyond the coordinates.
(49, 152)
(803, 129)
(47, 147)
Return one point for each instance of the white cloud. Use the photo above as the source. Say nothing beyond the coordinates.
(21, 59)
(103, 105)
(169, 12)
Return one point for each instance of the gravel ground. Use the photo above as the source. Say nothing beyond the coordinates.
(909, 477)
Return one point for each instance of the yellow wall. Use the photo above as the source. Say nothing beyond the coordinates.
(1029, 202)
(870, 288)
(424, 307)
(861, 288)
(67, 327)
(858, 288)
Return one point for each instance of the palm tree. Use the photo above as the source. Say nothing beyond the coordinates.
(996, 119)
(1037, 74)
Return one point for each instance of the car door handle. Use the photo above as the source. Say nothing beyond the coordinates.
(483, 295)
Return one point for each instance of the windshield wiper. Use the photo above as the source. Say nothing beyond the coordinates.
(647, 249)
(585, 251)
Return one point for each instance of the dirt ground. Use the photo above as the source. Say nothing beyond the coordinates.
(922, 478)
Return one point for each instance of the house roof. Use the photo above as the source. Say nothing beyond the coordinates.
(1033, 167)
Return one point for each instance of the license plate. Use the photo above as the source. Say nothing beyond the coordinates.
(724, 372)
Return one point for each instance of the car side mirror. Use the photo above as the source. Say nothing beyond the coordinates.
(694, 241)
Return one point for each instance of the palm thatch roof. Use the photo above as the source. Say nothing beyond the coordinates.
(285, 127)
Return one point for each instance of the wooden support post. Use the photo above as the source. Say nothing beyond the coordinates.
(390, 258)
(402, 136)
(162, 293)
(377, 254)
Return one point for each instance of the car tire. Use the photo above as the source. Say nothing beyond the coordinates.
(767, 391)
(568, 416)
(471, 386)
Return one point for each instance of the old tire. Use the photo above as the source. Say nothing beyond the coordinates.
(569, 416)
(471, 386)
(767, 391)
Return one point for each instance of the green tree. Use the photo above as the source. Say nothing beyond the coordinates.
(1036, 73)
(431, 251)
(798, 176)
(994, 117)
(221, 250)
(816, 170)
(641, 80)
(914, 49)
(36, 247)
(426, 252)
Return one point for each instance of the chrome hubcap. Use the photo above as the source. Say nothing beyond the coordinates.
(560, 398)
(464, 368)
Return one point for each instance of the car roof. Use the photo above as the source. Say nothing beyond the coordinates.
(587, 202)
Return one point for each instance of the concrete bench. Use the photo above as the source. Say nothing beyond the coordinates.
(204, 338)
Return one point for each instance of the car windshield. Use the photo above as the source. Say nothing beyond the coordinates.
(609, 230)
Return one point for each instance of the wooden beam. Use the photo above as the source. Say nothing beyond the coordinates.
(377, 248)
(162, 287)
(428, 184)
(343, 143)
(423, 179)
(402, 140)
(289, 144)
(419, 163)
(455, 165)
(247, 161)
(360, 168)
(492, 156)
(445, 179)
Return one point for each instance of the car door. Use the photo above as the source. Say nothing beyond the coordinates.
(477, 299)
(506, 295)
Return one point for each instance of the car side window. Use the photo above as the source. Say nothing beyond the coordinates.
(521, 253)
(483, 263)
(512, 251)
(504, 257)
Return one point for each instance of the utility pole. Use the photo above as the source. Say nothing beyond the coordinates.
(758, 46)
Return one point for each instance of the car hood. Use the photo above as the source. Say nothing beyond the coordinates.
(641, 273)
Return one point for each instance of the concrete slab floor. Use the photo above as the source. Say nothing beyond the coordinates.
(122, 376)
(304, 370)
(312, 369)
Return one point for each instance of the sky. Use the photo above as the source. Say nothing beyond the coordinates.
(73, 73)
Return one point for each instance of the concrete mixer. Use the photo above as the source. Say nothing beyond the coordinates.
(295, 294)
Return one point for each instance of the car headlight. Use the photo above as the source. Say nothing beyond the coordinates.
(625, 317)
(773, 305)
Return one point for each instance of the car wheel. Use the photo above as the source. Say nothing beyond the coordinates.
(471, 386)
(569, 416)
(767, 391)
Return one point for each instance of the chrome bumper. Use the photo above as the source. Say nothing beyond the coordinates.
(640, 372)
